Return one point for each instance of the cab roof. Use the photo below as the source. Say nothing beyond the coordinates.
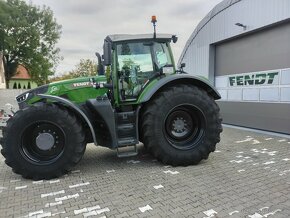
(131, 37)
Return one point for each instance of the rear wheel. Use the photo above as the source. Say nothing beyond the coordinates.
(43, 141)
(181, 125)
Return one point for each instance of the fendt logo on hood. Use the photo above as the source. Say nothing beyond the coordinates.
(81, 84)
(253, 79)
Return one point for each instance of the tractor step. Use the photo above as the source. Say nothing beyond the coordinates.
(127, 151)
(126, 129)
(128, 126)
(124, 142)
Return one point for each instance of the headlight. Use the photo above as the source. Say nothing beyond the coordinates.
(23, 97)
(31, 93)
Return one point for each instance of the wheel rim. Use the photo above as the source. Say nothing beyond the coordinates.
(184, 126)
(42, 142)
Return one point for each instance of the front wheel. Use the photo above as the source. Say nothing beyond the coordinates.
(43, 141)
(181, 125)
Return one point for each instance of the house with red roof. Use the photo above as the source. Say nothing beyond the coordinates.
(21, 80)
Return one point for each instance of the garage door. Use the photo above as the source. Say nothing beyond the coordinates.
(252, 73)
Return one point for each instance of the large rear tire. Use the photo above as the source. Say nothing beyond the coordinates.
(181, 125)
(43, 141)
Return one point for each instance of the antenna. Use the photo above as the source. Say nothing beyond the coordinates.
(154, 20)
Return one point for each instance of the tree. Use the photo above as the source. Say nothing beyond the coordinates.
(28, 36)
(85, 67)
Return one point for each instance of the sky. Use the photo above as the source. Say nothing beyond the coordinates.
(85, 23)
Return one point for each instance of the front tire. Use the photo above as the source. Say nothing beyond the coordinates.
(181, 125)
(43, 141)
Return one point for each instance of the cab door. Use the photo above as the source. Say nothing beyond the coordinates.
(134, 67)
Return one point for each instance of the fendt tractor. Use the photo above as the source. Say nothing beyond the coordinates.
(137, 96)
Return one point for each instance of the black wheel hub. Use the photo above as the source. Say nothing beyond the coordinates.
(184, 126)
(42, 142)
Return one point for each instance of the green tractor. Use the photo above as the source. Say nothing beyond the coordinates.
(137, 96)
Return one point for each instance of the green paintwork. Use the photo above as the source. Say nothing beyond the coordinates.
(115, 79)
(77, 90)
(146, 90)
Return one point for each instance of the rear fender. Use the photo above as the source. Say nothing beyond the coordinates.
(179, 79)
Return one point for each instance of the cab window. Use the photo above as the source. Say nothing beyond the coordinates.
(134, 66)
(162, 55)
(132, 55)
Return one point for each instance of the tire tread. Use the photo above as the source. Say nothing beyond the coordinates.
(59, 111)
(157, 103)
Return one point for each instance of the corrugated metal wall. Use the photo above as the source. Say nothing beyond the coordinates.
(254, 14)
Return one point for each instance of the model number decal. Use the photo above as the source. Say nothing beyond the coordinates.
(87, 84)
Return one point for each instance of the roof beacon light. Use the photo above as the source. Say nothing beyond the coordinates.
(154, 20)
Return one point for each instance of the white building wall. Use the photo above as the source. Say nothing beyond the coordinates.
(2, 76)
(254, 14)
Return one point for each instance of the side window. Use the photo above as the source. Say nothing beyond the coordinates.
(162, 55)
(135, 66)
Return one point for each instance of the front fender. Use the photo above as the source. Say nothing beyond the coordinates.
(75, 108)
(175, 79)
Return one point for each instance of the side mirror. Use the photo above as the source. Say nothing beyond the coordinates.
(181, 66)
(107, 53)
(100, 68)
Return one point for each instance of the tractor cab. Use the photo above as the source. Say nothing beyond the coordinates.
(135, 60)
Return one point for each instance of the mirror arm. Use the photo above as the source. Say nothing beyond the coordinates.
(100, 64)
(180, 70)
(107, 53)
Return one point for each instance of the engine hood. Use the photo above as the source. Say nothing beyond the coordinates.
(76, 90)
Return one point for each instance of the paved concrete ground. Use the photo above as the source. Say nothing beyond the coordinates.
(248, 176)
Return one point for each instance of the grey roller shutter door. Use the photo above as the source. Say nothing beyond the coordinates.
(264, 50)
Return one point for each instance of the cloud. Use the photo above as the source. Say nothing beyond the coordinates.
(86, 23)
